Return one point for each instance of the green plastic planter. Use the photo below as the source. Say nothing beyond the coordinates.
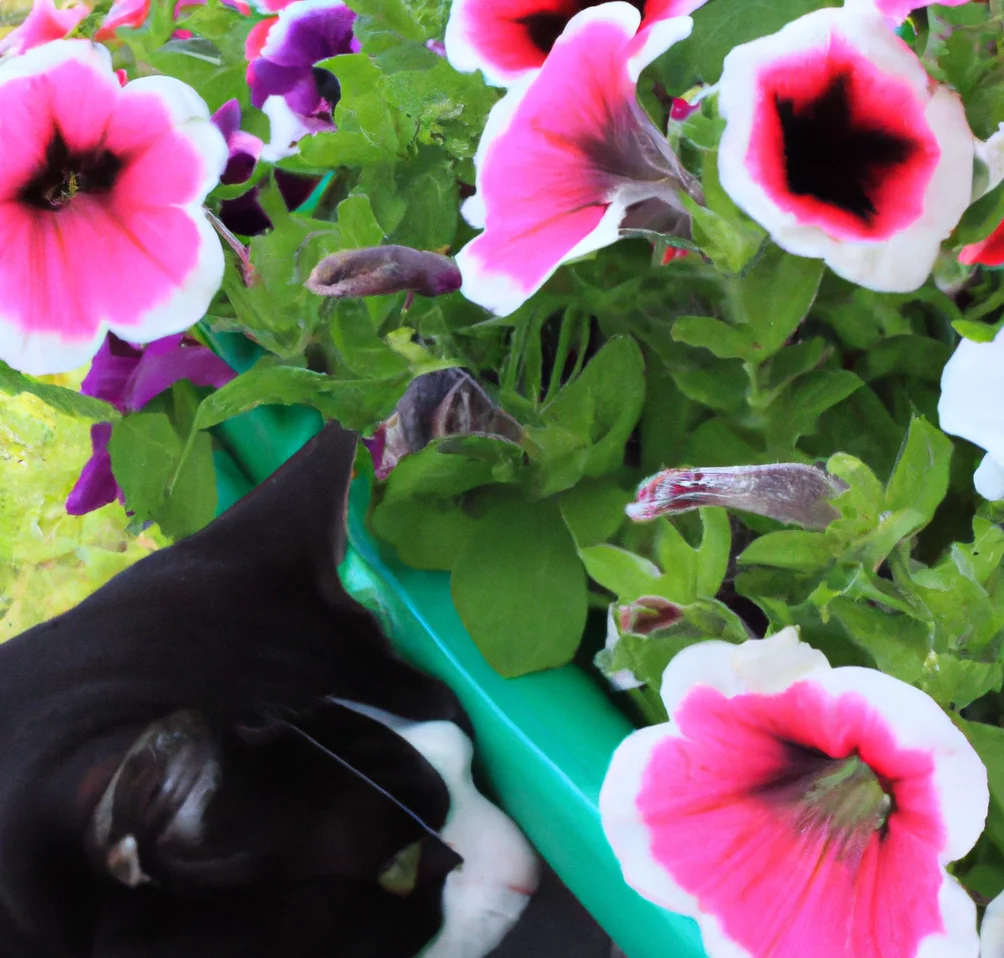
(544, 741)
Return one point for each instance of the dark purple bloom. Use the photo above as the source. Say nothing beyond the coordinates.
(305, 33)
(128, 377)
(243, 214)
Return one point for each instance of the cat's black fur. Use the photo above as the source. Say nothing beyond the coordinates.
(245, 626)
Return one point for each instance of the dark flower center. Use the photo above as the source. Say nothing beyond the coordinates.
(546, 26)
(66, 173)
(831, 157)
(842, 797)
(328, 87)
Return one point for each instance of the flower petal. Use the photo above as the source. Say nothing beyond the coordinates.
(837, 144)
(507, 39)
(992, 930)
(972, 401)
(577, 125)
(96, 486)
(43, 24)
(703, 818)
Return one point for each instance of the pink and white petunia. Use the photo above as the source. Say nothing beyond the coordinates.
(567, 154)
(101, 220)
(43, 24)
(839, 143)
(972, 406)
(507, 39)
(795, 809)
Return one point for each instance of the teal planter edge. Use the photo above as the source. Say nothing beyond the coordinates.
(543, 741)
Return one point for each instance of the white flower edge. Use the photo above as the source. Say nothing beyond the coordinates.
(972, 406)
(904, 261)
(992, 929)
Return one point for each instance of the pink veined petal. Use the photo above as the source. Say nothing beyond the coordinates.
(27, 130)
(82, 101)
(896, 11)
(533, 223)
(775, 886)
(508, 38)
(124, 13)
(43, 24)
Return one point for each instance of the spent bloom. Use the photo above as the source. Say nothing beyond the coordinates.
(839, 143)
(506, 39)
(568, 157)
(101, 219)
(786, 491)
(786, 802)
(972, 406)
(128, 377)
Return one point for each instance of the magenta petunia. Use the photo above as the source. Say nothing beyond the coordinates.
(101, 220)
(131, 14)
(839, 143)
(567, 154)
(987, 252)
(506, 39)
(44, 23)
(282, 67)
(796, 809)
(896, 11)
(128, 377)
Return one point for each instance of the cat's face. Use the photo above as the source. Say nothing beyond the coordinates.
(214, 754)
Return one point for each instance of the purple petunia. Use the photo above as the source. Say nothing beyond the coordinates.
(128, 377)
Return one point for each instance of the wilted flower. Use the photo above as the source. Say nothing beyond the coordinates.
(445, 403)
(791, 808)
(568, 156)
(379, 270)
(645, 616)
(839, 143)
(99, 182)
(44, 23)
(972, 406)
(128, 377)
(786, 491)
(506, 39)
(218, 754)
(304, 33)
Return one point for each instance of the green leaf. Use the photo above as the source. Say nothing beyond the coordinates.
(720, 27)
(357, 226)
(520, 588)
(954, 682)
(714, 551)
(624, 573)
(920, 478)
(981, 219)
(678, 582)
(898, 644)
(583, 432)
(429, 532)
(593, 510)
(69, 402)
(145, 450)
(790, 549)
(773, 297)
(797, 409)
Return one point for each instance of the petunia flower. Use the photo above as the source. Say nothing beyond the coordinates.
(101, 221)
(972, 406)
(128, 377)
(568, 156)
(792, 808)
(506, 39)
(283, 69)
(840, 145)
(123, 13)
(787, 491)
(44, 23)
(986, 252)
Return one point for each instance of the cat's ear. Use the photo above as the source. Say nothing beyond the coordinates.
(296, 519)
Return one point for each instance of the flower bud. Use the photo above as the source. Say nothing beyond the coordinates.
(786, 491)
(445, 403)
(645, 616)
(380, 270)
